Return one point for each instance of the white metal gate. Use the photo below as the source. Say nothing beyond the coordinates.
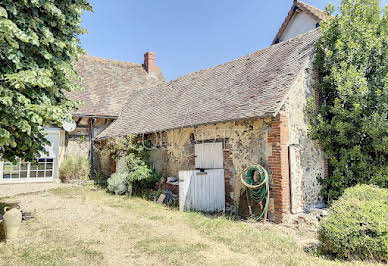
(202, 191)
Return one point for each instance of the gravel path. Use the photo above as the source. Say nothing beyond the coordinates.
(10, 190)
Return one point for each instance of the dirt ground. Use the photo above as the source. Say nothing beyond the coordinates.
(86, 226)
(9, 190)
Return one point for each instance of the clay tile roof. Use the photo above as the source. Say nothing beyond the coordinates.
(255, 85)
(317, 13)
(108, 84)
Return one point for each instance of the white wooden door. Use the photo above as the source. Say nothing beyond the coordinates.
(202, 191)
(209, 155)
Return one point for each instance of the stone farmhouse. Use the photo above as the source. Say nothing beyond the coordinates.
(252, 108)
(107, 85)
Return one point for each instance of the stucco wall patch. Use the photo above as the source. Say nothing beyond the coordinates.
(306, 157)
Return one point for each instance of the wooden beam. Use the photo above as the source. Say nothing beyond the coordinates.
(96, 116)
(78, 120)
(91, 122)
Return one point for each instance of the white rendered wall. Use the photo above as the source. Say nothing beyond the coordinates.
(300, 23)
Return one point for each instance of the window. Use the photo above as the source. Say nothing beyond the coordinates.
(42, 168)
(39, 170)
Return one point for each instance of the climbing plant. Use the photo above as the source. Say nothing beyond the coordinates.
(350, 122)
(38, 43)
(137, 173)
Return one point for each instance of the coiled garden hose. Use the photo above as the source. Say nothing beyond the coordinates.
(257, 188)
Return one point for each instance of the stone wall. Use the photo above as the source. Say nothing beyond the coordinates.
(78, 146)
(245, 143)
(306, 157)
(281, 144)
(62, 149)
(102, 162)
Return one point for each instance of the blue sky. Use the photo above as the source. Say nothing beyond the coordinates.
(185, 35)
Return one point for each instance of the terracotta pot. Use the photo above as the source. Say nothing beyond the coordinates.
(12, 219)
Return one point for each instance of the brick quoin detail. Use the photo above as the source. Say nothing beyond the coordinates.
(228, 176)
(279, 166)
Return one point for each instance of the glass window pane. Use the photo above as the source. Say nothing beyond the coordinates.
(33, 174)
(41, 174)
(40, 166)
(24, 166)
(6, 176)
(23, 174)
(7, 168)
(49, 166)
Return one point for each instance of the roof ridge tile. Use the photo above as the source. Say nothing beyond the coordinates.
(109, 61)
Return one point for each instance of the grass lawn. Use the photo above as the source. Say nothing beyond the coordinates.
(85, 226)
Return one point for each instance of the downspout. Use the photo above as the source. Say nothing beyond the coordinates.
(289, 178)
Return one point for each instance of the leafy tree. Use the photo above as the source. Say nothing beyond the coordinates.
(350, 122)
(38, 41)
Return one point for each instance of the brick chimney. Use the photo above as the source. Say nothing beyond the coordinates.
(149, 62)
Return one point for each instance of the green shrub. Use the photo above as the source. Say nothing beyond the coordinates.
(142, 178)
(101, 179)
(137, 181)
(139, 175)
(74, 167)
(357, 226)
(118, 184)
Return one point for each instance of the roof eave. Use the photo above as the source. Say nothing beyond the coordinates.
(285, 22)
(289, 16)
(294, 83)
(95, 116)
(267, 114)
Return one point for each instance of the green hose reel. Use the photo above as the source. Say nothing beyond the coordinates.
(257, 187)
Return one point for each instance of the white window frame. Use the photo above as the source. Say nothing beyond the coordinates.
(28, 177)
(30, 165)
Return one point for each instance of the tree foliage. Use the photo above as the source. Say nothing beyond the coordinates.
(38, 41)
(350, 122)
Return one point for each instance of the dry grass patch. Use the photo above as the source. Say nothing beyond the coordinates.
(97, 227)
(47, 246)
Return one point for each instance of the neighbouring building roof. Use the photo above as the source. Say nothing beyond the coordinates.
(251, 86)
(316, 13)
(108, 84)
